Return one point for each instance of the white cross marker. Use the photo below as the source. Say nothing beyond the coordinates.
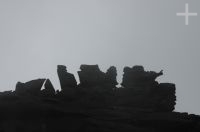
(186, 14)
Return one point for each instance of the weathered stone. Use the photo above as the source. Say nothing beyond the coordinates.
(32, 87)
(90, 68)
(90, 75)
(48, 90)
(20, 88)
(66, 79)
(167, 97)
(111, 76)
(143, 91)
(136, 76)
(144, 105)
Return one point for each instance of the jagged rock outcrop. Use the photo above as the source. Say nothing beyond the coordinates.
(91, 75)
(111, 76)
(165, 95)
(96, 88)
(48, 90)
(142, 91)
(136, 76)
(31, 87)
(141, 105)
(66, 79)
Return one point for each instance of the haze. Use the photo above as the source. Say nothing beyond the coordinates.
(37, 35)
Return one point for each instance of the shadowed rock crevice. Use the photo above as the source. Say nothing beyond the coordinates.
(95, 104)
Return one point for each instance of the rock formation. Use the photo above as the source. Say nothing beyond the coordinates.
(66, 79)
(142, 91)
(48, 90)
(141, 105)
(111, 76)
(136, 76)
(32, 87)
(91, 75)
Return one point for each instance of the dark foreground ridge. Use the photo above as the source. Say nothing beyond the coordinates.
(141, 104)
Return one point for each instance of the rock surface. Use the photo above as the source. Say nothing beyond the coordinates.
(48, 90)
(66, 79)
(141, 105)
(32, 87)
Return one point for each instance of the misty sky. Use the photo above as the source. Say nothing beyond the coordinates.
(37, 35)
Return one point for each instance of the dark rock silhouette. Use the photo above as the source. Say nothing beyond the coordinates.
(111, 76)
(136, 76)
(66, 79)
(32, 87)
(141, 105)
(48, 90)
(142, 91)
(90, 75)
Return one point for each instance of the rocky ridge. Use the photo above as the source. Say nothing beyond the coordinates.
(141, 104)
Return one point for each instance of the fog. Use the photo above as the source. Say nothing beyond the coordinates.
(37, 35)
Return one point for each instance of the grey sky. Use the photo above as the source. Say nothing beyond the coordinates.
(36, 35)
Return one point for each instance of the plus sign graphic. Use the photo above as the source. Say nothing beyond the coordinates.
(186, 14)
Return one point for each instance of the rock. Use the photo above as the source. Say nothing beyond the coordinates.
(20, 88)
(90, 68)
(136, 76)
(66, 79)
(97, 87)
(90, 75)
(8, 96)
(31, 87)
(166, 97)
(111, 76)
(142, 91)
(48, 90)
(141, 105)
(48, 86)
